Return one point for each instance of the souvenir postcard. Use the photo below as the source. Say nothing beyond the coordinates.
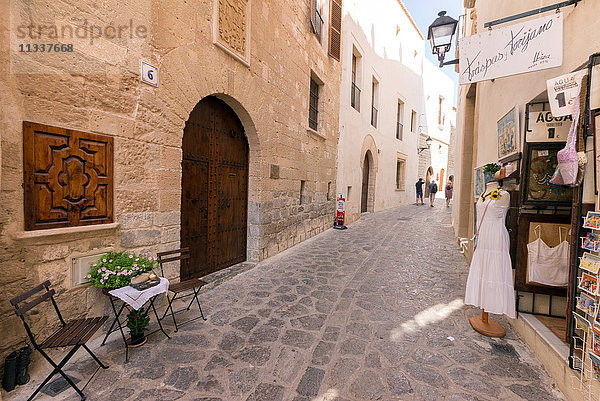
(592, 220)
(581, 322)
(597, 318)
(588, 283)
(591, 242)
(586, 304)
(596, 342)
(590, 262)
(595, 365)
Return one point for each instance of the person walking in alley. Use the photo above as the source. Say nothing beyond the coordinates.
(419, 187)
(449, 188)
(433, 188)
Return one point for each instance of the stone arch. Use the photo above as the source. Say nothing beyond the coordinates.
(428, 179)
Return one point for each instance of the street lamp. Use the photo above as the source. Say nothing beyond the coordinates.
(440, 35)
(428, 141)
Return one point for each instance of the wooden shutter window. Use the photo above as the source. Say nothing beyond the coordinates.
(68, 177)
(335, 29)
(313, 15)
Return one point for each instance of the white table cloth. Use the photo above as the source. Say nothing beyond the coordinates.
(135, 298)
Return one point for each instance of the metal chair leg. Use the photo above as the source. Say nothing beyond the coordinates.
(196, 291)
(103, 366)
(58, 369)
(170, 306)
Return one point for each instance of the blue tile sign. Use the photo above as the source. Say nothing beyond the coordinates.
(149, 74)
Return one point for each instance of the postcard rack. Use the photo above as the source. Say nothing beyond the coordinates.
(585, 342)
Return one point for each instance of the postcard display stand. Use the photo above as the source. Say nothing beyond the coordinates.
(585, 339)
(586, 336)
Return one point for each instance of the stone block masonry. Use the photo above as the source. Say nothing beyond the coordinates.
(97, 89)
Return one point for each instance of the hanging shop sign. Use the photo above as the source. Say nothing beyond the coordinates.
(562, 92)
(544, 127)
(528, 46)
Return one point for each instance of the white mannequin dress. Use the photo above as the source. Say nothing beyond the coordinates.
(490, 282)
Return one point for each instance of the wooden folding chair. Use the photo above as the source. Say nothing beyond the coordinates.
(183, 256)
(74, 333)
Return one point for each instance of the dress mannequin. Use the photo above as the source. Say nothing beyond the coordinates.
(505, 196)
(479, 297)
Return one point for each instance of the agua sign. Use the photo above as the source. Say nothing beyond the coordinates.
(528, 46)
(544, 127)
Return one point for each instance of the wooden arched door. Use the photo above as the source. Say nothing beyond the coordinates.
(364, 196)
(214, 188)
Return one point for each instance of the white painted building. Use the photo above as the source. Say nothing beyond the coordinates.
(383, 110)
(437, 122)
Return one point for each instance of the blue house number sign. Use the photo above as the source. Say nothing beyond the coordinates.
(149, 74)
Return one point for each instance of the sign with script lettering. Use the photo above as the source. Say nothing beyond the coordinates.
(528, 46)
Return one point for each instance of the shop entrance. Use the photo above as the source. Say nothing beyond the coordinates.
(214, 188)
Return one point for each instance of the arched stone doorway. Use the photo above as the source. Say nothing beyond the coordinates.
(214, 188)
(428, 179)
(367, 199)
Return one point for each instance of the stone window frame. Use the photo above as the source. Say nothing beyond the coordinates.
(401, 172)
(315, 102)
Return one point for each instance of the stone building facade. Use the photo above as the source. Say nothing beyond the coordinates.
(256, 59)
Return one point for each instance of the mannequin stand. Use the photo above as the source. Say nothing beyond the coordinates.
(487, 327)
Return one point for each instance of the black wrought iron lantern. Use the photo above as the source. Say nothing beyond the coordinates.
(440, 35)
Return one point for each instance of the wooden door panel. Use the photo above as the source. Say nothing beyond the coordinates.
(68, 177)
(214, 203)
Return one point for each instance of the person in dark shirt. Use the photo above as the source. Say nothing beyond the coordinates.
(419, 187)
(433, 188)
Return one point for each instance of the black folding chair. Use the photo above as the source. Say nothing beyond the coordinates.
(74, 333)
(183, 256)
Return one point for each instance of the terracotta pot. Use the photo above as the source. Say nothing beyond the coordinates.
(469, 3)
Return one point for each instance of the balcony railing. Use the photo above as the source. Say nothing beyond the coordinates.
(374, 116)
(399, 129)
(355, 97)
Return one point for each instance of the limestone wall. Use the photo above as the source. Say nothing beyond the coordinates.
(97, 88)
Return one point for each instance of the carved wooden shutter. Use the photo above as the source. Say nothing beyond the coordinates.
(335, 29)
(68, 177)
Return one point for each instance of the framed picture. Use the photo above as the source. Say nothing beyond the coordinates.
(540, 164)
(590, 262)
(591, 242)
(508, 134)
(588, 283)
(587, 304)
(592, 220)
(480, 180)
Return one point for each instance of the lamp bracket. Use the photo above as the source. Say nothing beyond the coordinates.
(532, 12)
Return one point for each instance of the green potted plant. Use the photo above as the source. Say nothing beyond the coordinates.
(137, 323)
(115, 269)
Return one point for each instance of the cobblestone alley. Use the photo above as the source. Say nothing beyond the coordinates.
(371, 313)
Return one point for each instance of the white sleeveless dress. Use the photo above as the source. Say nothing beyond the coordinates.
(490, 282)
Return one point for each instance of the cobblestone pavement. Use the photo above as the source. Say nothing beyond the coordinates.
(370, 313)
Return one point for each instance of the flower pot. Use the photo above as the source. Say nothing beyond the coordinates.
(469, 3)
(137, 340)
